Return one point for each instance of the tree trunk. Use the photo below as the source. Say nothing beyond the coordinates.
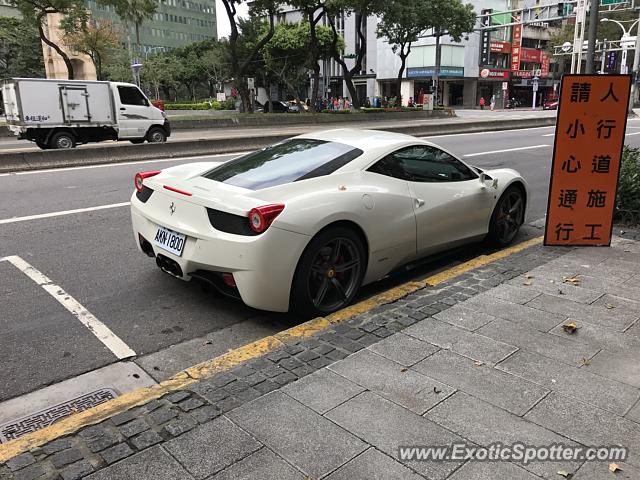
(346, 72)
(137, 39)
(316, 87)
(313, 46)
(403, 62)
(60, 52)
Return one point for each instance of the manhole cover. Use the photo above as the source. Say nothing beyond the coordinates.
(17, 428)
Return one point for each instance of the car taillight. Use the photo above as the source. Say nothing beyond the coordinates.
(261, 217)
(140, 176)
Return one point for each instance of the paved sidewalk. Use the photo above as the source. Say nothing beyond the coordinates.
(484, 359)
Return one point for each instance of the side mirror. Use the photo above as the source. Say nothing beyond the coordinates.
(486, 180)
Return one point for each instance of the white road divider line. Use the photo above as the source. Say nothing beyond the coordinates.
(95, 326)
(506, 150)
(63, 212)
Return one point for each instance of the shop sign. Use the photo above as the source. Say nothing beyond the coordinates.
(590, 133)
(530, 55)
(500, 47)
(492, 74)
(419, 72)
(516, 42)
(546, 65)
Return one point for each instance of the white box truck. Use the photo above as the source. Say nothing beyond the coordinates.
(65, 113)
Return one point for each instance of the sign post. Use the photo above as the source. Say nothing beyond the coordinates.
(590, 130)
(535, 92)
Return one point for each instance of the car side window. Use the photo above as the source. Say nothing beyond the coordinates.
(131, 96)
(423, 163)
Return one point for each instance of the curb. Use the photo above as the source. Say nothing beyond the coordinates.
(240, 355)
(24, 161)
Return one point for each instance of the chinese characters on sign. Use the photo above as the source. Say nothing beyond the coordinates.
(516, 45)
(584, 176)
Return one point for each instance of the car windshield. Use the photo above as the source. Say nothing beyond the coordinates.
(289, 161)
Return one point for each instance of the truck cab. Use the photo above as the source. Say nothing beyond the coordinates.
(64, 113)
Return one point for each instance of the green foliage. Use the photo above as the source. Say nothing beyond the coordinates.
(336, 112)
(99, 41)
(133, 12)
(188, 106)
(628, 198)
(21, 53)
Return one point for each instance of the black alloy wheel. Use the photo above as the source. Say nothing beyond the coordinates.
(507, 217)
(329, 273)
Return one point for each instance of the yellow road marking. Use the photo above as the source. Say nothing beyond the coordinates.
(235, 357)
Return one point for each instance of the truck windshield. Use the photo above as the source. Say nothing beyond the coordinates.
(289, 161)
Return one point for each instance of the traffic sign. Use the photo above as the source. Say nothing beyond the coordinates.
(590, 130)
(606, 3)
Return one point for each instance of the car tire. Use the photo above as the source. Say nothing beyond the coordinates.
(42, 145)
(329, 272)
(507, 217)
(62, 141)
(137, 141)
(156, 135)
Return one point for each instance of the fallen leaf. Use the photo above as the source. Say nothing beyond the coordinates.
(403, 370)
(613, 467)
(527, 283)
(609, 306)
(585, 362)
(560, 292)
(436, 391)
(208, 342)
(570, 327)
(528, 276)
(478, 363)
(565, 474)
(572, 280)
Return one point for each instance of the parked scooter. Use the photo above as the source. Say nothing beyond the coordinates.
(513, 103)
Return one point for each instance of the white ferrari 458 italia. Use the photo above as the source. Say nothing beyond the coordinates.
(302, 224)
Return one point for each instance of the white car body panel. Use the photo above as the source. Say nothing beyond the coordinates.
(400, 220)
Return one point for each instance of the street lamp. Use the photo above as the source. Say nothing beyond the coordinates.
(625, 40)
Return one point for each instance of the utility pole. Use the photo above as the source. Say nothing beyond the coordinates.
(437, 72)
(578, 36)
(593, 32)
(636, 65)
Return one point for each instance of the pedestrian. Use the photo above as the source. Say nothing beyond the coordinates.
(493, 102)
(481, 103)
(340, 103)
(410, 104)
(347, 103)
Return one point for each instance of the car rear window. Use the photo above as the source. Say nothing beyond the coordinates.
(286, 162)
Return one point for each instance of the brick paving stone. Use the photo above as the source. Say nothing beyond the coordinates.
(179, 426)
(146, 439)
(472, 345)
(205, 414)
(320, 362)
(587, 424)
(298, 434)
(228, 404)
(134, 427)
(543, 343)
(123, 417)
(178, 396)
(532, 317)
(211, 447)
(387, 426)
(247, 395)
(151, 464)
(163, 415)
(21, 461)
(485, 424)
(190, 404)
(97, 444)
(494, 386)
(464, 317)
(77, 471)
(595, 315)
(263, 464)
(514, 293)
(373, 465)
(115, 453)
(622, 367)
(323, 390)
(573, 381)
(152, 405)
(266, 386)
(59, 444)
(619, 304)
(542, 284)
(600, 471)
(601, 337)
(391, 380)
(65, 457)
(285, 378)
(29, 473)
(255, 379)
(634, 413)
(492, 470)
(403, 349)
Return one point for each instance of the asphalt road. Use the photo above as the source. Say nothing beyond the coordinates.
(90, 257)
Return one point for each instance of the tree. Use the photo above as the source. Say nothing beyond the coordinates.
(401, 23)
(288, 57)
(20, 49)
(34, 13)
(96, 40)
(133, 13)
(215, 66)
(240, 64)
(362, 9)
(451, 18)
(161, 72)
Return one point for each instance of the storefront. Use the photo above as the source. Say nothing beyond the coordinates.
(492, 82)
(451, 83)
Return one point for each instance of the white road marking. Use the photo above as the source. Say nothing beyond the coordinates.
(63, 212)
(485, 133)
(631, 134)
(105, 165)
(506, 150)
(95, 326)
(549, 134)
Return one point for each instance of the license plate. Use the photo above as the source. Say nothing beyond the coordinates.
(170, 241)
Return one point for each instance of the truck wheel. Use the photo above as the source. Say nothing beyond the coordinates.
(62, 140)
(156, 135)
(137, 141)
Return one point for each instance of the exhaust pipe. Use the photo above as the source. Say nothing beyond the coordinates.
(169, 266)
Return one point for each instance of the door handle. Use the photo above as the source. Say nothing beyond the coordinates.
(419, 202)
(122, 108)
